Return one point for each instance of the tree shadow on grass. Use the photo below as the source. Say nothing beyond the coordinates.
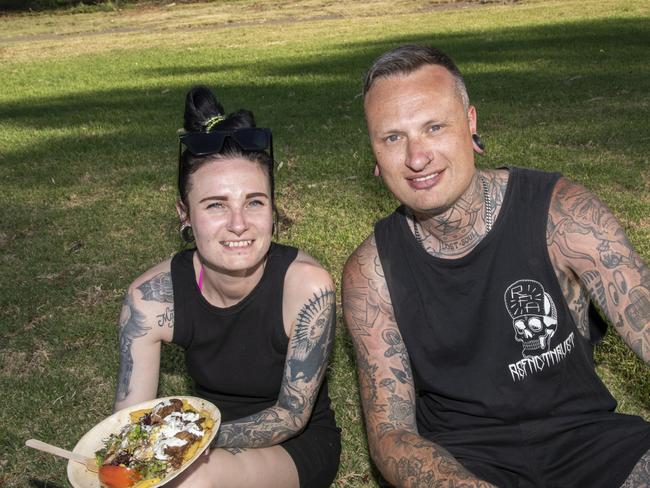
(564, 64)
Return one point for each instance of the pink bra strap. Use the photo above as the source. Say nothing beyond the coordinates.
(200, 283)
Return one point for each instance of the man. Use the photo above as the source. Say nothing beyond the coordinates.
(469, 305)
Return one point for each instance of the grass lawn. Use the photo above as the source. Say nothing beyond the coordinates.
(89, 108)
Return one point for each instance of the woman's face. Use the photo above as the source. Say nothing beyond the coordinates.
(231, 214)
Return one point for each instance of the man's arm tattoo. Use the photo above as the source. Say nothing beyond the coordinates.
(131, 327)
(386, 383)
(585, 234)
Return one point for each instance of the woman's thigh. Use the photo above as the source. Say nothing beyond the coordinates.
(269, 467)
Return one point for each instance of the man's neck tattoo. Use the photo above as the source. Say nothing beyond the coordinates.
(488, 213)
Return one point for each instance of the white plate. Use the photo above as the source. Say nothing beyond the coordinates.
(93, 440)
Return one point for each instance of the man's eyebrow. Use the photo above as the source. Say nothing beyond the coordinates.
(383, 132)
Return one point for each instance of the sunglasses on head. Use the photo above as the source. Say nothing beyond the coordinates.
(248, 139)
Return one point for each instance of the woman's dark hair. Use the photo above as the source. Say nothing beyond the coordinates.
(204, 113)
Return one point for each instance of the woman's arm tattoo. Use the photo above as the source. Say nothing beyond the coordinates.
(158, 289)
(307, 356)
(131, 327)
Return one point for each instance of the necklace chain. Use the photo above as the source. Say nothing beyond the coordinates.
(488, 212)
(488, 203)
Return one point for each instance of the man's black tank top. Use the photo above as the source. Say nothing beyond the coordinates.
(236, 355)
(490, 336)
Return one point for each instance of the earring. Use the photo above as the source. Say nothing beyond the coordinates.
(479, 146)
(377, 171)
(186, 233)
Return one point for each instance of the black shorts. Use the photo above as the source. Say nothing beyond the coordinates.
(316, 453)
(597, 450)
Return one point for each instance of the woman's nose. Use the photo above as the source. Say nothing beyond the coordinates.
(237, 222)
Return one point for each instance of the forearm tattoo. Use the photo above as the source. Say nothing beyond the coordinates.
(583, 232)
(131, 327)
(305, 367)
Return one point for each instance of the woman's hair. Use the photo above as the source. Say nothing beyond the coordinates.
(204, 113)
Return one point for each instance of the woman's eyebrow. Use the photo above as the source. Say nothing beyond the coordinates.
(213, 197)
(257, 194)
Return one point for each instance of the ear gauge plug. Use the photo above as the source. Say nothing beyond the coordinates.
(479, 146)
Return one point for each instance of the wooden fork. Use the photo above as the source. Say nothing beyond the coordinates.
(90, 463)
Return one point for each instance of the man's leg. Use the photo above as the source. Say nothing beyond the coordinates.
(640, 475)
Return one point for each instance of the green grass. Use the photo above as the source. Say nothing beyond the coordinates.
(89, 107)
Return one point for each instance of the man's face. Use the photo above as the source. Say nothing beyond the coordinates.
(422, 137)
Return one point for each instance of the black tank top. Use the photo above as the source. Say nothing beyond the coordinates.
(490, 336)
(236, 355)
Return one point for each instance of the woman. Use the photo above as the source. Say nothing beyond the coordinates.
(255, 318)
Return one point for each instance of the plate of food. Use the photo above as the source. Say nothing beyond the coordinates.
(146, 445)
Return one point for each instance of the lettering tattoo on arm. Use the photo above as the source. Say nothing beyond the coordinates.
(160, 289)
(583, 234)
(307, 356)
(131, 327)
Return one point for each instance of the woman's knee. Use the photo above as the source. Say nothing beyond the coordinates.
(269, 467)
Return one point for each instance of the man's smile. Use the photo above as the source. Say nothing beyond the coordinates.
(425, 181)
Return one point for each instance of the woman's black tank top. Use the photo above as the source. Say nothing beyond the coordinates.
(490, 337)
(236, 355)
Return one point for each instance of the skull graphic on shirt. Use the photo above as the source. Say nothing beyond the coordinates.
(534, 316)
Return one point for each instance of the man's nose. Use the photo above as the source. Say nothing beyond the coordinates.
(237, 222)
(418, 154)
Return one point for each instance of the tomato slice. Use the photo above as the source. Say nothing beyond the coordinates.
(118, 476)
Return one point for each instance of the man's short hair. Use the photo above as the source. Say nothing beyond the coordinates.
(406, 59)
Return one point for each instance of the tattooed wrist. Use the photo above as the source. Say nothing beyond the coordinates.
(263, 429)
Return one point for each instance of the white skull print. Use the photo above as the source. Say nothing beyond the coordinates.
(534, 316)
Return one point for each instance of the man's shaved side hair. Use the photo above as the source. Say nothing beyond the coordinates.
(406, 59)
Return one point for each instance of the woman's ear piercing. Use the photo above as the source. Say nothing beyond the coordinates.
(186, 233)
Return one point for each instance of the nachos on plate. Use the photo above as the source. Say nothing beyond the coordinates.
(156, 442)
